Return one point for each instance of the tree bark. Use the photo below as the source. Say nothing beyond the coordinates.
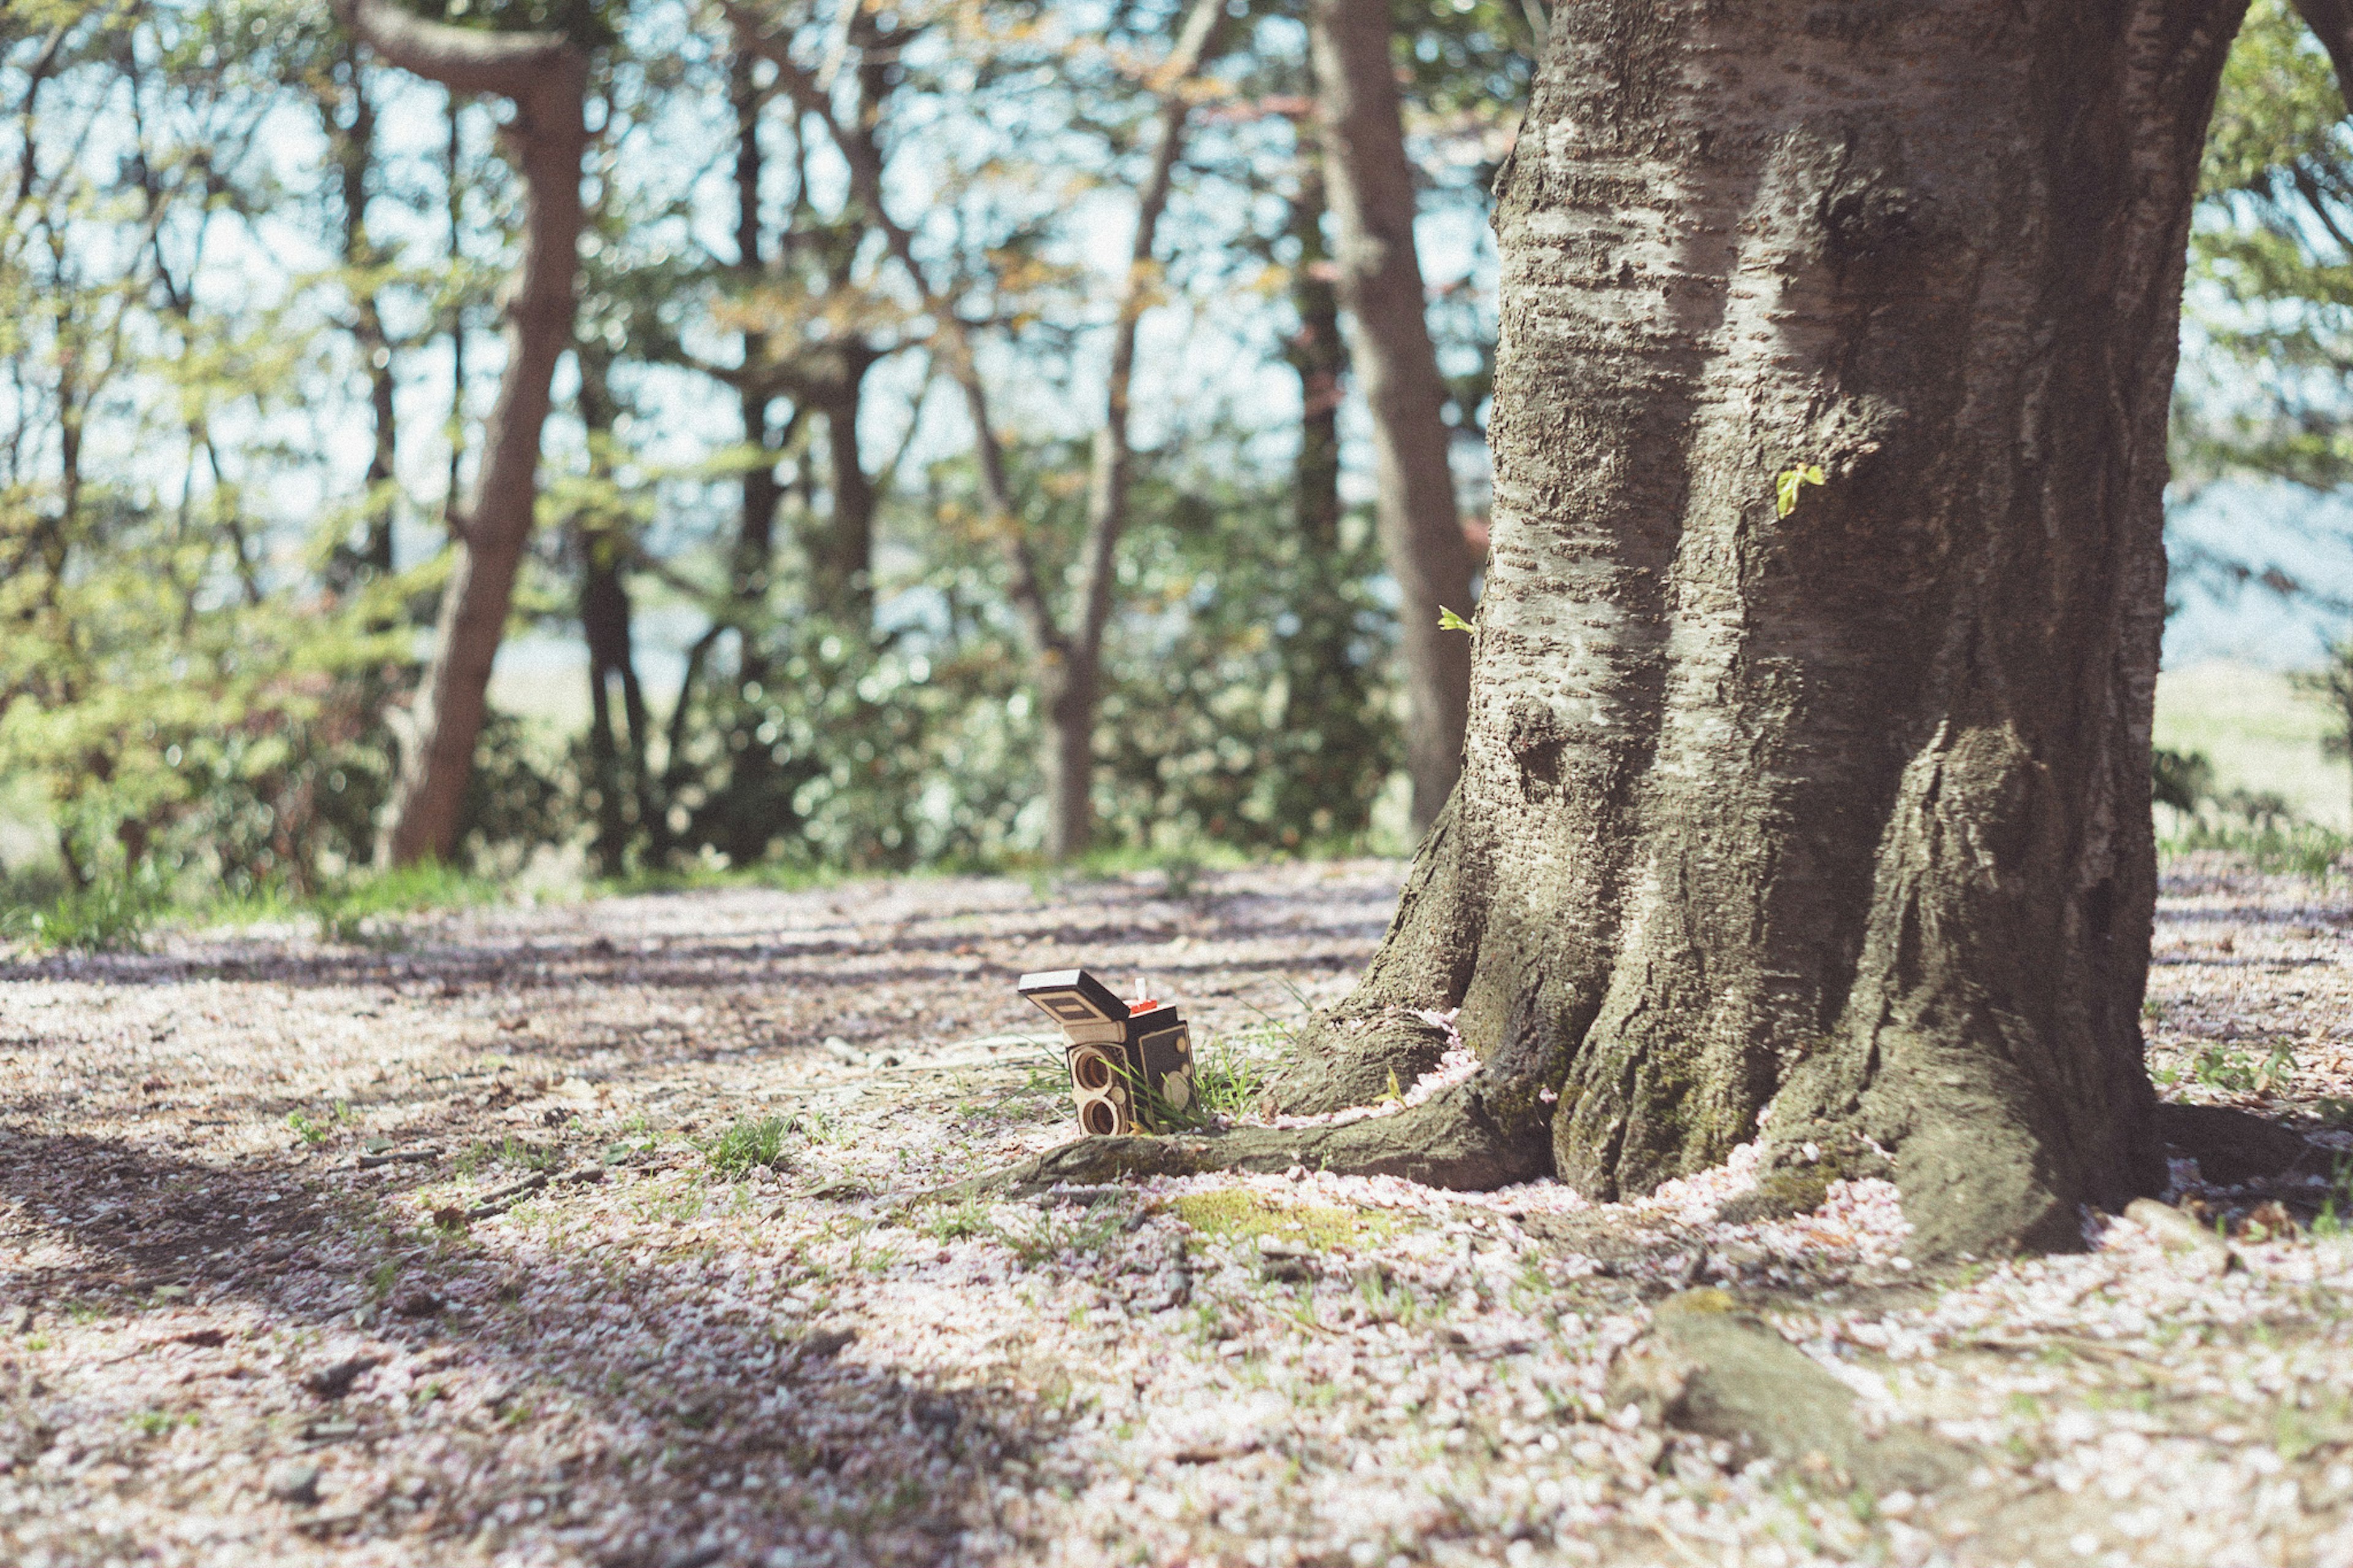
(1329, 697)
(547, 78)
(1070, 675)
(841, 552)
(627, 806)
(1372, 197)
(353, 146)
(1838, 811)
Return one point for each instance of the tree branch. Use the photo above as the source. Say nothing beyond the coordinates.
(513, 65)
(864, 158)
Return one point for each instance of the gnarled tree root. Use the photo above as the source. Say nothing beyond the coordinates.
(1706, 1367)
(1455, 1139)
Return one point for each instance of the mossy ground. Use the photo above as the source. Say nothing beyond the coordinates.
(1239, 1215)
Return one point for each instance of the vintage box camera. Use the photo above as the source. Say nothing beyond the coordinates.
(1130, 1062)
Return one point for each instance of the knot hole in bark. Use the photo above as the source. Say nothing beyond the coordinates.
(1864, 217)
(1537, 739)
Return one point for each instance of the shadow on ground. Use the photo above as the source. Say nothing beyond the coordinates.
(651, 1413)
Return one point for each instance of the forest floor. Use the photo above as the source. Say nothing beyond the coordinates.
(434, 1247)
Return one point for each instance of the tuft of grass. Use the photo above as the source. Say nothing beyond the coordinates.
(2336, 1216)
(1229, 1073)
(158, 1423)
(1088, 1233)
(508, 1151)
(1240, 1214)
(965, 1219)
(345, 908)
(113, 914)
(2266, 835)
(735, 1152)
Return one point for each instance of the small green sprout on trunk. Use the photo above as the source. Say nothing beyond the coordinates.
(1791, 480)
(1447, 621)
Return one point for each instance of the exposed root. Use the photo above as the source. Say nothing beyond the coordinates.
(1706, 1367)
(1338, 1065)
(1454, 1140)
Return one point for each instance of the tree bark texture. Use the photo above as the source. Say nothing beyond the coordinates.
(627, 804)
(840, 552)
(1071, 668)
(1838, 813)
(546, 79)
(1372, 195)
(351, 144)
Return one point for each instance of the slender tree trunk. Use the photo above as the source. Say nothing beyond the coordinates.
(744, 819)
(1319, 358)
(841, 553)
(547, 78)
(354, 144)
(1837, 809)
(757, 524)
(625, 807)
(1069, 669)
(1380, 283)
(1329, 696)
(452, 164)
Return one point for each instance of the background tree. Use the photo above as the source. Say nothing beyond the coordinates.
(806, 647)
(1372, 192)
(546, 76)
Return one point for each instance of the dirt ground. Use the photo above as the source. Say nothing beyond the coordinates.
(436, 1248)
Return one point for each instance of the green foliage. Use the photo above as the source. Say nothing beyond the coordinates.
(346, 904)
(1789, 482)
(2261, 829)
(743, 1145)
(2221, 1065)
(1249, 701)
(852, 750)
(209, 648)
(2273, 284)
(2180, 779)
(113, 914)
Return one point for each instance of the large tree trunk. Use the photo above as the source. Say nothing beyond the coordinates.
(1839, 809)
(1380, 283)
(546, 76)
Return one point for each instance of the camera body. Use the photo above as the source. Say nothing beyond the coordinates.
(1129, 1068)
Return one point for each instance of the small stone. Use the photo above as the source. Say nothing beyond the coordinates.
(295, 1482)
(2203, 1255)
(335, 1380)
(823, 1344)
(417, 1303)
